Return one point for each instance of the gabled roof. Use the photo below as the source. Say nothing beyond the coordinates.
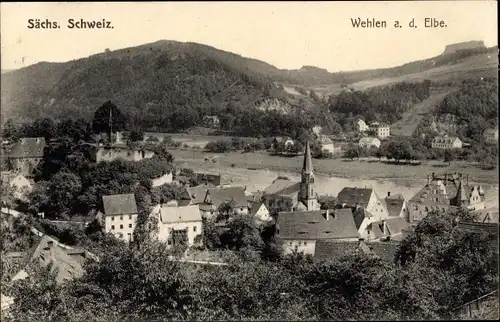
(119, 204)
(217, 196)
(314, 225)
(396, 225)
(283, 187)
(445, 139)
(359, 215)
(383, 250)
(255, 207)
(329, 249)
(355, 196)
(180, 214)
(28, 148)
(197, 194)
(47, 251)
(394, 205)
(377, 228)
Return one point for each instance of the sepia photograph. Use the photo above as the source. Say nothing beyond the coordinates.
(255, 161)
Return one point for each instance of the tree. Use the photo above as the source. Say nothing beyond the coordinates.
(352, 152)
(242, 233)
(136, 135)
(100, 122)
(449, 155)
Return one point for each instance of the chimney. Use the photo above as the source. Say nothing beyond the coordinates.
(50, 243)
(428, 179)
(388, 193)
(327, 215)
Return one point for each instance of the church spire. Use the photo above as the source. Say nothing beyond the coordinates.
(307, 166)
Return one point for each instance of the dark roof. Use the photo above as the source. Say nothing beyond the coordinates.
(377, 228)
(314, 225)
(396, 225)
(119, 204)
(283, 187)
(28, 148)
(47, 251)
(394, 205)
(217, 196)
(355, 196)
(329, 249)
(197, 194)
(359, 215)
(384, 250)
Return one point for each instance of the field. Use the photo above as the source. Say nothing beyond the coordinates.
(411, 119)
(368, 168)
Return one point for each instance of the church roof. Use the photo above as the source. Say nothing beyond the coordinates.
(307, 166)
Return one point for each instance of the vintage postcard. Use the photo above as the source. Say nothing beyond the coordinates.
(249, 161)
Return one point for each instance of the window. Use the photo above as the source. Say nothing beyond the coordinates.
(130, 217)
(437, 199)
(194, 228)
(121, 226)
(290, 243)
(112, 218)
(121, 217)
(129, 225)
(112, 227)
(305, 243)
(169, 242)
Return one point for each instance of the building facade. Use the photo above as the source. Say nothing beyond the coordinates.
(444, 192)
(112, 152)
(380, 130)
(119, 215)
(491, 136)
(361, 126)
(179, 225)
(368, 142)
(26, 154)
(446, 142)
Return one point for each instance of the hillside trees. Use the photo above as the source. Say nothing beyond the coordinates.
(101, 120)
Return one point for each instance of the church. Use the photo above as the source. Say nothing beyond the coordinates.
(286, 195)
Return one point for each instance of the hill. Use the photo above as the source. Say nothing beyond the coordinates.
(147, 80)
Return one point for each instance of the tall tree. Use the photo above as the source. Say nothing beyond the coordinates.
(101, 120)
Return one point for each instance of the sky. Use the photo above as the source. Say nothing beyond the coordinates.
(285, 34)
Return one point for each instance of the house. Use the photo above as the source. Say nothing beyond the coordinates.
(179, 225)
(215, 197)
(396, 206)
(446, 142)
(197, 194)
(287, 195)
(489, 215)
(21, 186)
(317, 130)
(368, 142)
(361, 126)
(212, 121)
(445, 192)
(388, 228)
(363, 198)
(110, 152)
(120, 215)
(46, 252)
(299, 231)
(286, 140)
(208, 178)
(491, 136)
(260, 212)
(163, 179)
(26, 154)
(380, 130)
(327, 144)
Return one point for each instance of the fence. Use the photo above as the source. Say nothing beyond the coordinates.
(471, 308)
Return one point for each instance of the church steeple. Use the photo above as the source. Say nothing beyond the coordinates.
(307, 195)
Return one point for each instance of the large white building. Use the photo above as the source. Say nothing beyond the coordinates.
(446, 142)
(120, 215)
(179, 225)
(380, 130)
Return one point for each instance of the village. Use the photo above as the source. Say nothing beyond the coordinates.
(356, 220)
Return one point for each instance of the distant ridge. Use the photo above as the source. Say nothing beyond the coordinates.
(474, 44)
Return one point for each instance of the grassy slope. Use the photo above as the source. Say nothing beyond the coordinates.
(407, 125)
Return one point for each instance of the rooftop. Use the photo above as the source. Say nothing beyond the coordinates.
(123, 204)
(180, 214)
(28, 148)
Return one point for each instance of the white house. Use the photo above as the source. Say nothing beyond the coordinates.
(164, 179)
(326, 144)
(363, 198)
(20, 185)
(380, 130)
(446, 142)
(361, 126)
(260, 211)
(120, 215)
(491, 136)
(369, 141)
(179, 225)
